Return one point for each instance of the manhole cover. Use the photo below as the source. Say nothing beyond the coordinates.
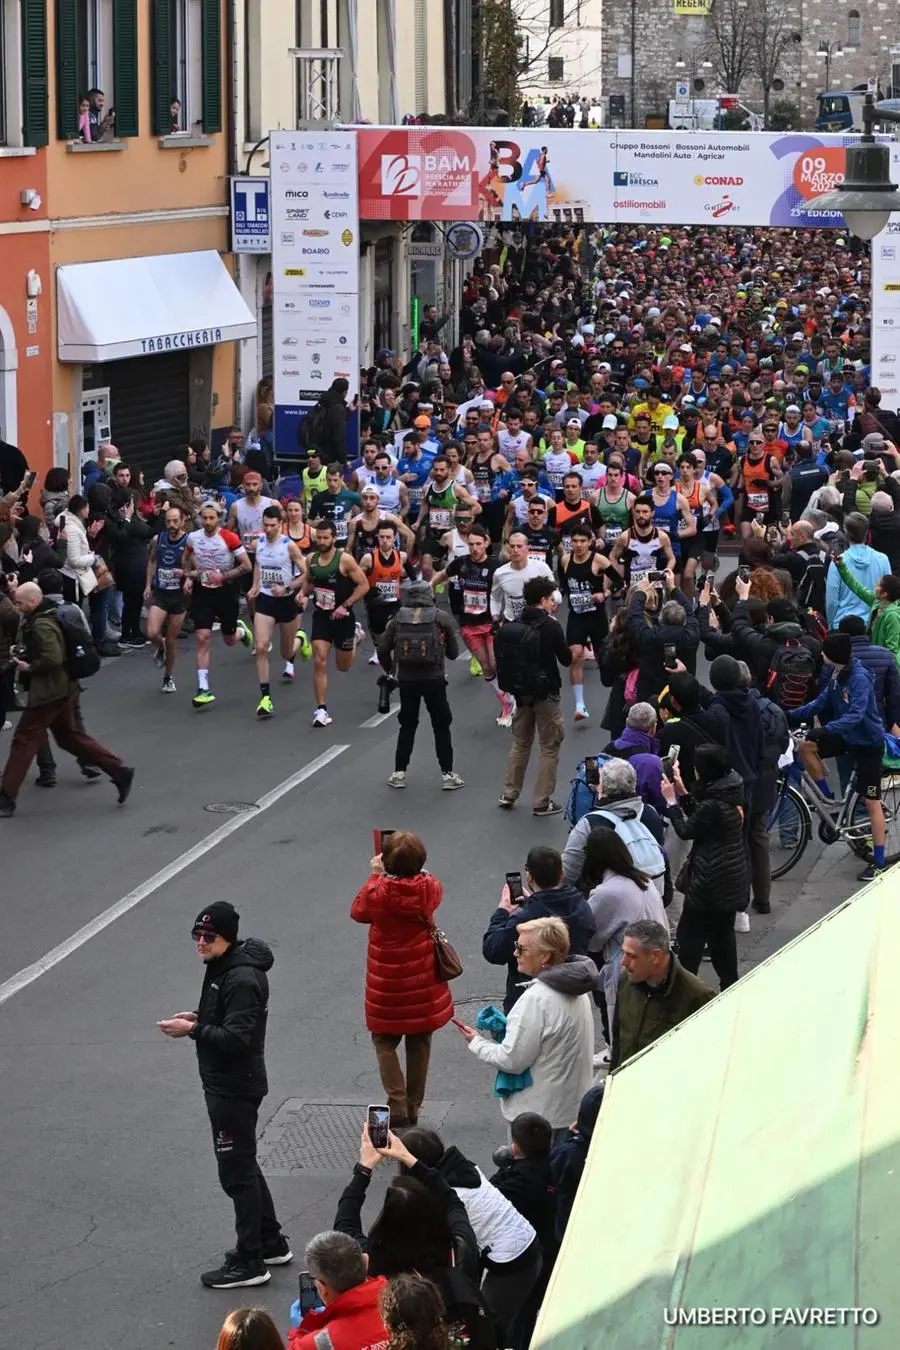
(230, 808)
(321, 1136)
(467, 1009)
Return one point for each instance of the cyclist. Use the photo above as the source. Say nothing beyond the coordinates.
(850, 724)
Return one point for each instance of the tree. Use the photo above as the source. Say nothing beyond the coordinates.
(772, 35)
(515, 41)
(730, 44)
(499, 43)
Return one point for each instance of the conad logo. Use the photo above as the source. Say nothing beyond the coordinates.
(717, 180)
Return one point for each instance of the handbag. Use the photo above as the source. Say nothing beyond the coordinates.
(446, 958)
(103, 574)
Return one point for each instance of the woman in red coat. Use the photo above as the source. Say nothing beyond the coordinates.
(404, 996)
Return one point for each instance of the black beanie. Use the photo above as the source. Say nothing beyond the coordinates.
(220, 919)
(838, 648)
(725, 674)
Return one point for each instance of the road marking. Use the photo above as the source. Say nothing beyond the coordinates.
(23, 978)
(378, 718)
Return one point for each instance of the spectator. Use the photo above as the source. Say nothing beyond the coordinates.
(413, 1313)
(99, 469)
(550, 1031)
(54, 496)
(880, 662)
(35, 554)
(884, 523)
(251, 1329)
(78, 568)
(331, 438)
(350, 1316)
(174, 489)
(803, 478)
(13, 468)
(101, 124)
(715, 886)
(619, 894)
(759, 635)
(689, 721)
(619, 808)
(639, 746)
(128, 536)
(569, 1155)
(548, 893)
(526, 1181)
(776, 738)
(861, 564)
(616, 662)
(656, 992)
(9, 627)
(883, 602)
(676, 634)
(405, 999)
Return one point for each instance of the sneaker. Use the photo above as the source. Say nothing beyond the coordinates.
(47, 780)
(287, 675)
(507, 708)
(475, 667)
(7, 726)
(742, 921)
(761, 906)
(265, 707)
(7, 807)
(451, 781)
(397, 779)
(109, 649)
(359, 633)
(203, 698)
(235, 1273)
(601, 1059)
(551, 809)
(89, 772)
(134, 644)
(159, 657)
(507, 803)
(373, 660)
(581, 713)
(729, 528)
(789, 841)
(871, 872)
(321, 718)
(168, 685)
(123, 779)
(277, 1253)
(302, 646)
(245, 634)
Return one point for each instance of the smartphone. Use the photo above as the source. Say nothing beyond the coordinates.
(669, 761)
(744, 573)
(378, 838)
(670, 656)
(310, 1298)
(378, 1119)
(702, 580)
(760, 517)
(516, 889)
(591, 771)
(30, 479)
(656, 578)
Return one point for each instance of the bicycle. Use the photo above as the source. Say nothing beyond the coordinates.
(841, 819)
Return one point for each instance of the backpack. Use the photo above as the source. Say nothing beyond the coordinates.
(645, 851)
(776, 735)
(791, 680)
(416, 643)
(520, 670)
(82, 659)
(468, 1322)
(312, 426)
(814, 624)
(582, 792)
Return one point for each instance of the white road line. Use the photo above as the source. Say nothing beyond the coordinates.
(23, 978)
(378, 718)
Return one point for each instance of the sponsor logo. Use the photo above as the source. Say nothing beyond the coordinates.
(621, 178)
(320, 168)
(287, 238)
(315, 234)
(315, 342)
(717, 180)
(344, 340)
(320, 304)
(888, 359)
(316, 375)
(296, 194)
(640, 204)
(295, 271)
(291, 372)
(315, 252)
(347, 237)
(285, 168)
(334, 196)
(316, 358)
(345, 308)
(722, 207)
(302, 166)
(339, 168)
(288, 342)
(298, 213)
(888, 251)
(890, 286)
(400, 175)
(336, 215)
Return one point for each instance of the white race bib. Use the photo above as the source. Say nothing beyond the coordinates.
(387, 591)
(474, 602)
(325, 598)
(166, 580)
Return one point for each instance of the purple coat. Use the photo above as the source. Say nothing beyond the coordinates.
(642, 752)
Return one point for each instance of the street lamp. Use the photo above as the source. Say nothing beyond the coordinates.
(831, 51)
(867, 196)
(681, 64)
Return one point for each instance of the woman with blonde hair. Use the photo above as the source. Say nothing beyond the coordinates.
(249, 1329)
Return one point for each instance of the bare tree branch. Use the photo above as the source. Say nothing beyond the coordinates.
(772, 36)
(730, 44)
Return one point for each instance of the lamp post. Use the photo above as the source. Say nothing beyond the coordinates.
(867, 196)
(831, 51)
(681, 64)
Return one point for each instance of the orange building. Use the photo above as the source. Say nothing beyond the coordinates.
(137, 316)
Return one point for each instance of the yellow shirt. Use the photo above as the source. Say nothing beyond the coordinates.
(576, 449)
(657, 416)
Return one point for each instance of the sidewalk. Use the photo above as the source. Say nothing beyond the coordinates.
(797, 903)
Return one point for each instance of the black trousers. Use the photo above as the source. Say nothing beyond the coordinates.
(698, 928)
(434, 694)
(233, 1122)
(131, 584)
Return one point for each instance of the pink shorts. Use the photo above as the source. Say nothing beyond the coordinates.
(483, 631)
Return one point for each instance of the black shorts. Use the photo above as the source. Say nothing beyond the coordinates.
(379, 616)
(584, 629)
(867, 761)
(770, 516)
(281, 608)
(173, 602)
(211, 604)
(245, 579)
(341, 633)
(433, 547)
(692, 547)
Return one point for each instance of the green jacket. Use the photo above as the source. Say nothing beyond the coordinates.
(45, 652)
(645, 1012)
(884, 621)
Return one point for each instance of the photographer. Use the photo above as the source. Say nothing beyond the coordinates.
(660, 646)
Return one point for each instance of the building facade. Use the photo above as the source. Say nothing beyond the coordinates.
(561, 47)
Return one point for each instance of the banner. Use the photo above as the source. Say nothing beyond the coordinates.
(692, 6)
(657, 177)
(315, 271)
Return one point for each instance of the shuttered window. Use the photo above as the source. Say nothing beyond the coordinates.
(211, 39)
(163, 75)
(67, 90)
(125, 67)
(96, 48)
(35, 88)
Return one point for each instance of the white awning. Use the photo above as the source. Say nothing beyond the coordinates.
(140, 306)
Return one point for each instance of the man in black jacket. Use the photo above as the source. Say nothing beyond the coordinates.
(675, 637)
(757, 643)
(542, 712)
(229, 1030)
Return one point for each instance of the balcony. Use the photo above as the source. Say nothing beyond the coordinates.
(317, 84)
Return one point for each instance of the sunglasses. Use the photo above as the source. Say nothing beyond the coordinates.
(202, 935)
(755, 440)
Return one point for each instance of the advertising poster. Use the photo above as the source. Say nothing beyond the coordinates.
(886, 311)
(315, 271)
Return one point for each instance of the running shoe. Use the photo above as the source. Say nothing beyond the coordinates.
(507, 708)
(551, 809)
(245, 634)
(236, 1274)
(871, 872)
(265, 707)
(159, 657)
(581, 713)
(373, 660)
(397, 779)
(475, 667)
(451, 781)
(507, 803)
(287, 675)
(742, 921)
(203, 698)
(168, 685)
(359, 633)
(302, 646)
(321, 718)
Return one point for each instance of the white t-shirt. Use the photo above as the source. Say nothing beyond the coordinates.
(509, 582)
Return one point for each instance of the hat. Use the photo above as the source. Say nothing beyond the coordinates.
(610, 422)
(792, 407)
(370, 489)
(424, 421)
(604, 365)
(640, 382)
(874, 441)
(670, 423)
(653, 312)
(688, 400)
(574, 422)
(607, 338)
(838, 648)
(796, 337)
(220, 919)
(685, 347)
(663, 466)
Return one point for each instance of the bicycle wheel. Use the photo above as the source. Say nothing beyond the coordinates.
(790, 829)
(890, 801)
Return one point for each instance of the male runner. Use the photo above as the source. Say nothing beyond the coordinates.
(278, 576)
(573, 508)
(165, 592)
(336, 504)
(701, 500)
(671, 512)
(439, 503)
(413, 469)
(336, 581)
(314, 477)
(362, 534)
(557, 462)
(392, 493)
(614, 503)
(474, 575)
(383, 564)
(486, 465)
(213, 560)
(580, 573)
(517, 509)
(509, 580)
(757, 485)
(591, 472)
(642, 548)
(245, 519)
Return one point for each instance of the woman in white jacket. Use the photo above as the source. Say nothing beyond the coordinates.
(550, 1030)
(80, 558)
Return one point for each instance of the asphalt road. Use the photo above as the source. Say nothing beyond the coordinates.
(111, 1206)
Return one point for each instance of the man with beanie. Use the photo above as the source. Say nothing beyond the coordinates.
(746, 745)
(229, 1029)
(849, 724)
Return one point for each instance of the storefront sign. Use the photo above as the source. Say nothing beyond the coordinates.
(172, 342)
(251, 230)
(464, 241)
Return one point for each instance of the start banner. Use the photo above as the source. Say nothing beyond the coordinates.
(658, 177)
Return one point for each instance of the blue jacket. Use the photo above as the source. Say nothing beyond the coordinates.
(846, 705)
(882, 665)
(746, 742)
(868, 567)
(566, 903)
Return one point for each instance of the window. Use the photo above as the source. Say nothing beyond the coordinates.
(94, 45)
(96, 48)
(187, 67)
(853, 28)
(25, 88)
(185, 64)
(555, 69)
(557, 14)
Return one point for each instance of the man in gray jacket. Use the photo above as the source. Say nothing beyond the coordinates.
(416, 642)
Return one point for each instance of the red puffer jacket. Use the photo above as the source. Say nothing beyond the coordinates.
(403, 994)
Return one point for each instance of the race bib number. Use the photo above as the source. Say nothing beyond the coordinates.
(250, 539)
(758, 501)
(484, 491)
(415, 495)
(166, 579)
(340, 530)
(537, 555)
(271, 576)
(611, 534)
(474, 602)
(515, 605)
(556, 477)
(566, 542)
(208, 579)
(387, 591)
(439, 518)
(580, 602)
(325, 598)
(639, 571)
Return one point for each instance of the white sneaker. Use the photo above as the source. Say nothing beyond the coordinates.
(321, 718)
(451, 781)
(742, 921)
(581, 713)
(397, 779)
(601, 1059)
(373, 660)
(7, 726)
(359, 633)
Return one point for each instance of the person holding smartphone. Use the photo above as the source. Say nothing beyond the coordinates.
(339, 1303)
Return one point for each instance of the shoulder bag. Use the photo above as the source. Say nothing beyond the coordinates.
(447, 964)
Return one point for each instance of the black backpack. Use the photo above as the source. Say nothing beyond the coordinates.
(520, 670)
(416, 643)
(791, 680)
(82, 660)
(468, 1322)
(312, 426)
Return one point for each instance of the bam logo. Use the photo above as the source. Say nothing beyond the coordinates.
(400, 175)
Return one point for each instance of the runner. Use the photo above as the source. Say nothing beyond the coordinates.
(591, 471)
(278, 580)
(245, 519)
(337, 504)
(383, 565)
(642, 548)
(581, 574)
(474, 575)
(296, 526)
(392, 494)
(517, 509)
(336, 581)
(486, 465)
(413, 469)
(671, 512)
(721, 499)
(509, 580)
(543, 540)
(614, 503)
(438, 508)
(758, 485)
(214, 559)
(362, 535)
(557, 462)
(165, 593)
(701, 500)
(314, 477)
(572, 508)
